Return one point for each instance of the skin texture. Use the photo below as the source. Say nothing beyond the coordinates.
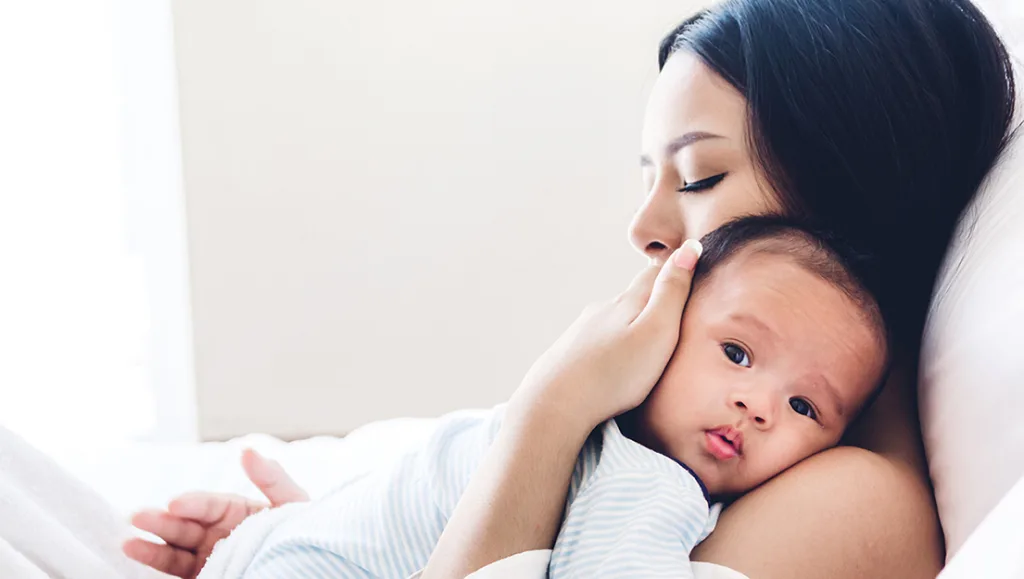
(773, 351)
(689, 99)
(514, 501)
(843, 513)
(193, 523)
(861, 512)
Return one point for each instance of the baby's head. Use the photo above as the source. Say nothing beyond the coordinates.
(780, 347)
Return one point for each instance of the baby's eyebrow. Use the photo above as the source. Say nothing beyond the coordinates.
(831, 393)
(745, 318)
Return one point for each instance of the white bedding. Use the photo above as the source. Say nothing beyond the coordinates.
(138, 475)
(131, 476)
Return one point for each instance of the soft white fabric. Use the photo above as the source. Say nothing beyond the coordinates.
(630, 511)
(51, 525)
(233, 556)
(972, 374)
(135, 475)
(1007, 17)
(995, 550)
(703, 570)
(145, 475)
(534, 565)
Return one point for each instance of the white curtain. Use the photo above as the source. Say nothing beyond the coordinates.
(94, 338)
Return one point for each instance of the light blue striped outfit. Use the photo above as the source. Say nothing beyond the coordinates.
(630, 512)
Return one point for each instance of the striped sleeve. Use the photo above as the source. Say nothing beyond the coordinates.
(387, 524)
(636, 514)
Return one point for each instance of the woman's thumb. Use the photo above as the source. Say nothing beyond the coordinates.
(672, 287)
(271, 479)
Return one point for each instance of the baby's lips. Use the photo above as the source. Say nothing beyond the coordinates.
(733, 435)
(719, 446)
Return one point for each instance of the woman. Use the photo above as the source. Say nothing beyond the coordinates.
(877, 119)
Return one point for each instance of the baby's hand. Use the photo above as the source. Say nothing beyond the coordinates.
(194, 522)
(608, 361)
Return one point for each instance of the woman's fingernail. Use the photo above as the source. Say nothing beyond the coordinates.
(686, 256)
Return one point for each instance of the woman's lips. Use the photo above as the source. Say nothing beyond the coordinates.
(724, 443)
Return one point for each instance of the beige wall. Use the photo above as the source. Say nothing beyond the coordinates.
(395, 207)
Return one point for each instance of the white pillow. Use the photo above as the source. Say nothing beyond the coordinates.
(1007, 17)
(972, 381)
(972, 366)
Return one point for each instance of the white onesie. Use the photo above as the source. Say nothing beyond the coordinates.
(630, 512)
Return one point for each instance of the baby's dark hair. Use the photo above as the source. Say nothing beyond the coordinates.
(814, 249)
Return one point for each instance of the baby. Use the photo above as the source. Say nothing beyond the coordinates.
(780, 348)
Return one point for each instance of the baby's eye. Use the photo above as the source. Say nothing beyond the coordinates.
(802, 406)
(736, 355)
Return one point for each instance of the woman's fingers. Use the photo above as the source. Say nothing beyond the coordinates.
(271, 479)
(639, 291)
(672, 286)
(164, 558)
(175, 531)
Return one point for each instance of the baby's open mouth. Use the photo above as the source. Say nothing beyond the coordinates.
(724, 442)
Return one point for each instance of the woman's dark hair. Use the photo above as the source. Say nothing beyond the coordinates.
(875, 119)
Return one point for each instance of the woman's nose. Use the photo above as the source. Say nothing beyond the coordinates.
(759, 409)
(657, 228)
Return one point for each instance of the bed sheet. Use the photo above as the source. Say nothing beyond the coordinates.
(135, 475)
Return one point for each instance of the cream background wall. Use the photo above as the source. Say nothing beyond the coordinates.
(395, 206)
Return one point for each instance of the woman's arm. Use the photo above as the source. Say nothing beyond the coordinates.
(514, 501)
(605, 364)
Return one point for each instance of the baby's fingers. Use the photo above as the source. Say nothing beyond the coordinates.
(211, 509)
(173, 530)
(163, 558)
(271, 479)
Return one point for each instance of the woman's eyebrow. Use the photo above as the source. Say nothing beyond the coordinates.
(679, 143)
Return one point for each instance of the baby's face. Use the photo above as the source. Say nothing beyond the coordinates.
(772, 364)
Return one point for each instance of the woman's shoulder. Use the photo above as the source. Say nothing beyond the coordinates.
(846, 512)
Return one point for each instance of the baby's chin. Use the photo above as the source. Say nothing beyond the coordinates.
(722, 485)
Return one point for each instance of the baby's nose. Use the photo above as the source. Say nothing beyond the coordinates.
(758, 409)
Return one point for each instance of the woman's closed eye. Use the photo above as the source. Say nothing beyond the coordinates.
(803, 407)
(736, 354)
(703, 184)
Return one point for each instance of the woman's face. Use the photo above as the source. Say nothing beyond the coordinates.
(698, 170)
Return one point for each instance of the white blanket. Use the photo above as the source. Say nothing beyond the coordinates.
(52, 525)
(233, 555)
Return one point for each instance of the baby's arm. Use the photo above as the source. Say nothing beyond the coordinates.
(631, 524)
(386, 524)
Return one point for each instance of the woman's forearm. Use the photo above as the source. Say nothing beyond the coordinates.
(605, 364)
(515, 499)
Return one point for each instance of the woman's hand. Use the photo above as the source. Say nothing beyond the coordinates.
(606, 363)
(194, 522)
